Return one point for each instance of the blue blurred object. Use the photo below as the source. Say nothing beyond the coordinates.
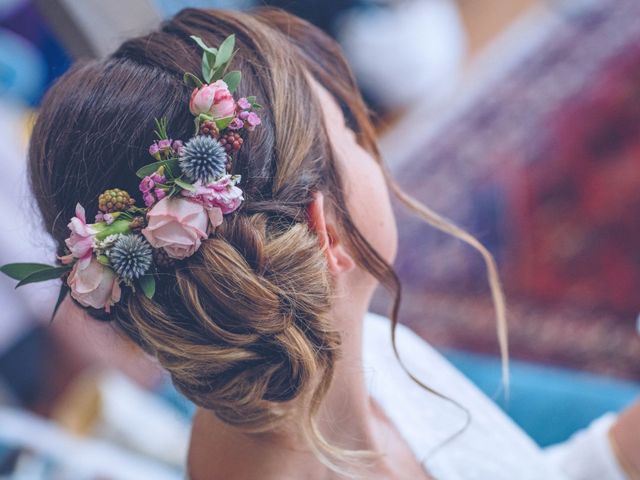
(549, 403)
(31, 58)
(171, 7)
(22, 68)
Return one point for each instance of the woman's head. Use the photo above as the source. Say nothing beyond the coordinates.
(243, 324)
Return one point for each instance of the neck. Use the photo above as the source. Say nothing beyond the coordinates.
(345, 418)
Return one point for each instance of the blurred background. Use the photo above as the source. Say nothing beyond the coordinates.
(517, 119)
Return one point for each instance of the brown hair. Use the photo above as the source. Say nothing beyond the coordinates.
(242, 325)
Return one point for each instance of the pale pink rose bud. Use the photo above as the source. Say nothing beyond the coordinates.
(94, 285)
(214, 99)
(243, 115)
(177, 225)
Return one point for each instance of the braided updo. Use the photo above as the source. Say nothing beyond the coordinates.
(242, 325)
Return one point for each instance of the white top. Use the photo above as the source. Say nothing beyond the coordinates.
(493, 447)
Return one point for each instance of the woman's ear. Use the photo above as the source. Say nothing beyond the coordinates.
(338, 259)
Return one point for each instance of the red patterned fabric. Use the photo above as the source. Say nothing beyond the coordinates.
(544, 167)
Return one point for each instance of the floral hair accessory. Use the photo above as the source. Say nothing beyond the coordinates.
(186, 191)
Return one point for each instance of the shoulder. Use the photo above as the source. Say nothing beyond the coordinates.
(492, 445)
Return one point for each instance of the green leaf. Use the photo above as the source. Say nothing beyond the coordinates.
(223, 123)
(148, 285)
(256, 106)
(43, 275)
(103, 260)
(232, 79)
(207, 66)
(119, 226)
(225, 51)
(19, 271)
(64, 289)
(203, 46)
(184, 185)
(170, 164)
(217, 73)
(252, 99)
(190, 78)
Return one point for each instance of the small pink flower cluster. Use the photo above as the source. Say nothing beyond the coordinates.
(222, 194)
(165, 148)
(152, 188)
(245, 118)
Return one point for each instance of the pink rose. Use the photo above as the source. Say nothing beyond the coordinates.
(80, 242)
(222, 194)
(214, 99)
(94, 285)
(177, 225)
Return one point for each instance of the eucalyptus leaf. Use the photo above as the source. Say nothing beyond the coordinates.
(217, 73)
(148, 285)
(225, 51)
(190, 78)
(207, 66)
(19, 271)
(223, 123)
(184, 185)
(64, 289)
(43, 275)
(232, 79)
(170, 164)
(203, 46)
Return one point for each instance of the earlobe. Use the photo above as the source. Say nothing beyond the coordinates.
(338, 258)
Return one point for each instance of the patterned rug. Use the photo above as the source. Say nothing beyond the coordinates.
(543, 165)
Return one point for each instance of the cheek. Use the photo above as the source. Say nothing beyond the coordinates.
(371, 206)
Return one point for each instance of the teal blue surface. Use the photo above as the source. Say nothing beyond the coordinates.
(549, 403)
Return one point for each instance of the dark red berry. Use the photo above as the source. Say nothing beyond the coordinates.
(231, 142)
(210, 128)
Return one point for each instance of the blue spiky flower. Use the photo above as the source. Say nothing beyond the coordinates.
(131, 256)
(203, 158)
